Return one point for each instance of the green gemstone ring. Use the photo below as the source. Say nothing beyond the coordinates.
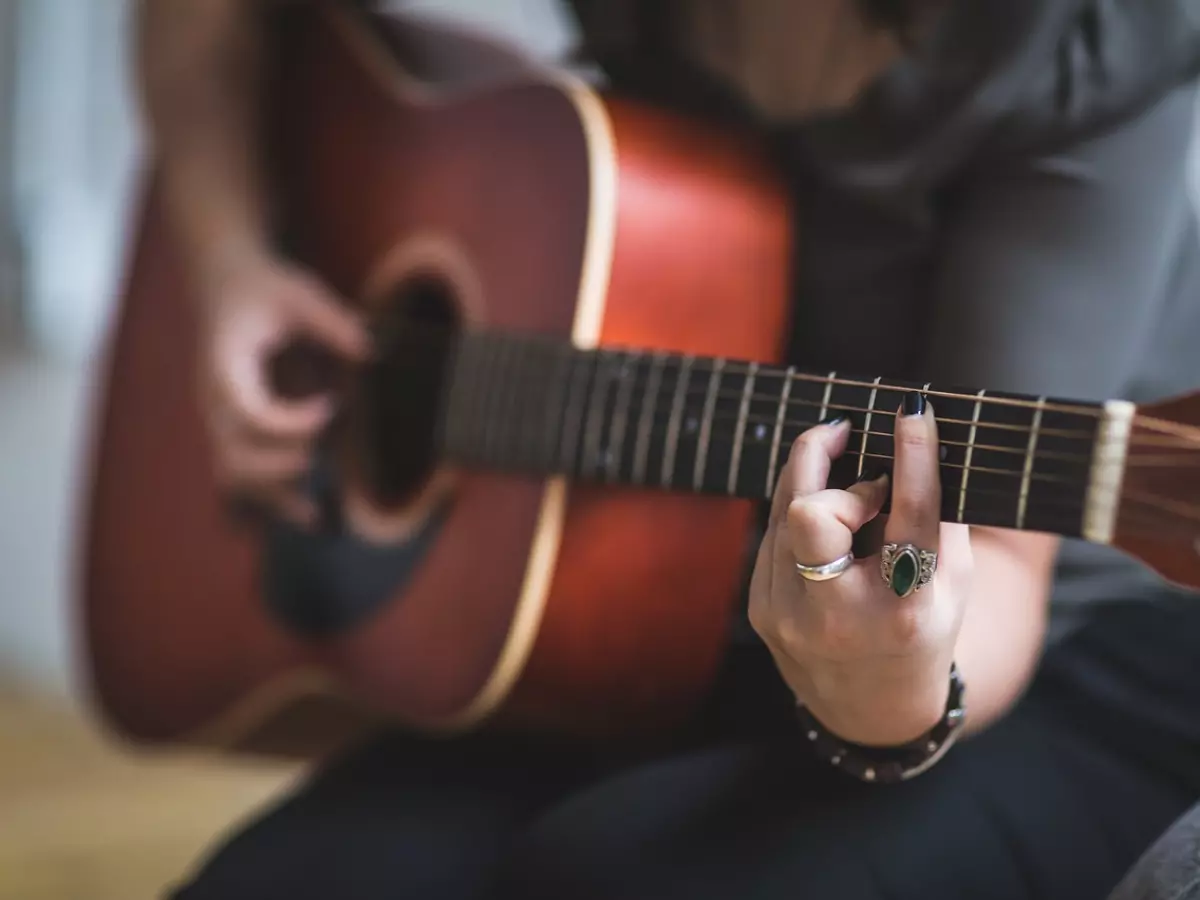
(906, 569)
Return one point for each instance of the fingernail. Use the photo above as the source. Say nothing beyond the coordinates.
(834, 420)
(914, 403)
(872, 473)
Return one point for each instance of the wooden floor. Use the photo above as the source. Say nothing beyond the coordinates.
(83, 819)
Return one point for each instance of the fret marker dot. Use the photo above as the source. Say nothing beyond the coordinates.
(692, 425)
(760, 432)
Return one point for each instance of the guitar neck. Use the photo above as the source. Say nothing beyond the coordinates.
(724, 427)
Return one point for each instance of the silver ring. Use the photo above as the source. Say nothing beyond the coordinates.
(828, 571)
(906, 569)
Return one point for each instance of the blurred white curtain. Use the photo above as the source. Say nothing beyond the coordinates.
(9, 252)
(74, 151)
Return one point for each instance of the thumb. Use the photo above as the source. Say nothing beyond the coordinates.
(324, 317)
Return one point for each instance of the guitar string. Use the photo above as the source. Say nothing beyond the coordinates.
(469, 339)
(617, 381)
(775, 371)
(1040, 505)
(791, 425)
(556, 345)
(698, 388)
(1182, 431)
(1135, 441)
(799, 426)
(694, 391)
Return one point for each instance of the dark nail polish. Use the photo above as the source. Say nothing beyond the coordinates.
(914, 403)
(833, 420)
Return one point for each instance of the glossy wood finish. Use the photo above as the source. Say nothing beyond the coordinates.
(646, 583)
(1159, 518)
(173, 626)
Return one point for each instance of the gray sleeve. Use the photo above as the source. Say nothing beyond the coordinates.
(1169, 870)
(1053, 271)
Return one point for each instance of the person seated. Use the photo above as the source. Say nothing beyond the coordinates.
(989, 193)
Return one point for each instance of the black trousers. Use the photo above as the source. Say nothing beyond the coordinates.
(1058, 800)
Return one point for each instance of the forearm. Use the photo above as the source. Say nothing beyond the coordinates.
(199, 68)
(1005, 621)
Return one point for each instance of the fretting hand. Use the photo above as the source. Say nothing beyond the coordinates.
(872, 666)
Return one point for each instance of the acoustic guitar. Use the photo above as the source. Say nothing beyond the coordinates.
(579, 305)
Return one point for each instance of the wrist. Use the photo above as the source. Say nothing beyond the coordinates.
(217, 262)
(220, 230)
(896, 762)
(877, 710)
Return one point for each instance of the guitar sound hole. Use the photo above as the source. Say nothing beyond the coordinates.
(402, 390)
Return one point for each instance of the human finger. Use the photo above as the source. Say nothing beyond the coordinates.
(246, 391)
(246, 462)
(808, 464)
(326, 319)
(821, 526)
(915, 514)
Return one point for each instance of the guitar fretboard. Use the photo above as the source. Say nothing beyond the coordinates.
(718, 426)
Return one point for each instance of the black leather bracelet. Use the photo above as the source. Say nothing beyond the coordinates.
(890, 765)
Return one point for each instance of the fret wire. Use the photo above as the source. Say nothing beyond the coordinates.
(576, 383)
(555, 422)
(582, 367)
(966, 473)
(1027, 473)
(779, 420)
(510, 376)
(710, 400)
(646, 419)
(626, 375)
(862, 456)
(672, 443)
(553, 417)
(1068, 408)
(792, 374)
(502, 423)
(802, 425)
(897, 388)
(732, 366)
(532, 405)
(990, 401)
(1083, 435)
(466, 396)
(879, 413)
(595, 415)
(740, 431)
(824, 413)
(485, 399)
(1008, 473)
(454, 420)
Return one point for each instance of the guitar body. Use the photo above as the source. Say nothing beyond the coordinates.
(545, 208)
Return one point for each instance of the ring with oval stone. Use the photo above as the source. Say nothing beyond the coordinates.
(906, 568)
